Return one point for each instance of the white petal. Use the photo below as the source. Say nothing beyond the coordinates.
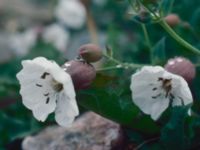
(34, 99)
(142, 85)
(42, 109)
(66, 110)
(62, 77)
(181, 91)
(158, 108)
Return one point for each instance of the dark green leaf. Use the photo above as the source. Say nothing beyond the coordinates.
(173, 134)
(118, 108)
(166, 6)
(158, 52)
(195, 20)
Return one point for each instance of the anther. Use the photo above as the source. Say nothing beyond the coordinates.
(44, 75)
(39, 85)
(47, 100)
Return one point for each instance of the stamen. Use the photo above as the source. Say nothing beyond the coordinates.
(58, 87)
(167, 82)
(154, 97)
(39, 85)
(47, 100)
(167, 94)
(167, 86)
(182, 101)
(160, 79)
(46, 94)
(154, 89)
(171, 96)
(44, 75)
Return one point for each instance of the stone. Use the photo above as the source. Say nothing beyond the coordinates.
(88, 132)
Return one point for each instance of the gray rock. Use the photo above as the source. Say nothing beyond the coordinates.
(89, 132)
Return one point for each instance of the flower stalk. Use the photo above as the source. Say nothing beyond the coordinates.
(146, 35)
(158, 18)
(120, 64)
(177, 38)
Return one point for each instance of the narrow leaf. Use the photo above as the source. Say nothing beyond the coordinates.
(158, 52)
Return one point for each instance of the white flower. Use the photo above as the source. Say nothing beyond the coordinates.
(21, 43)
(57, 36)
(154, 90)
(46, 88)
(71, 12)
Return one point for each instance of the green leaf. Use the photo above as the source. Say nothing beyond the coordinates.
(158, 52)
(195, 20)
(118, 108)
(173, 134)
(166, 6)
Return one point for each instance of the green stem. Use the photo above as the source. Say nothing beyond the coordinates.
(122, 64)
(179, 39)
(146, 35)
(146, 142)
(147, 39)
(171, 32)
(112, 59)
(109, 68)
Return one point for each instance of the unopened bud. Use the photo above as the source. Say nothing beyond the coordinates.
(90, 52)
(82, 73)
(143, 17)
(183, 67)
(172, 20)
(186, 25)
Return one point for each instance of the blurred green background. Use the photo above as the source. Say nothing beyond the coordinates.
(113, 27)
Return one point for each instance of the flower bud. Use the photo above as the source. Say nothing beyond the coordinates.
(143, 17)
(82, 73)
(90, 52)
(172, 20)
(183, 67)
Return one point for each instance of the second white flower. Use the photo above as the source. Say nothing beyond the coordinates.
(154, 90)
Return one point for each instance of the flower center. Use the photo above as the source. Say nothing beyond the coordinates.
(166, 85)
(57, 86)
